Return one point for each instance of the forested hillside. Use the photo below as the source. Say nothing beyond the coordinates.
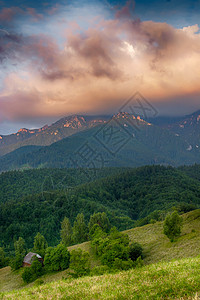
(16, 184)
(125, 197)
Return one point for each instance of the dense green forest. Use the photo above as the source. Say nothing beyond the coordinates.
(16, 184)
(126, 197)
(191, 171)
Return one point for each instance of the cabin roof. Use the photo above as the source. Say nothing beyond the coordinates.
(29, 256)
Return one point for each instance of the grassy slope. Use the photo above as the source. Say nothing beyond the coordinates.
(156, 245)
(174, 280)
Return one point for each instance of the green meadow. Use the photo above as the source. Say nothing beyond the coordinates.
(171, 271)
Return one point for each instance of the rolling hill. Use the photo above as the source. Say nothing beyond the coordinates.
(171, 271)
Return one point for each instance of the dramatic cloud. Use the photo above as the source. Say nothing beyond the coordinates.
(96, 69)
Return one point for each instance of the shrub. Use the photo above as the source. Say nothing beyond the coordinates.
(79, 262)
(113, 246)
(138, 263)
(99, 270)
(112, 251)
(120, 264)
(16, 262)
(172, 226)
(57, 259)
(33, 272)
(39, 282)
(97, 232)
(26, 275)
(135, 251)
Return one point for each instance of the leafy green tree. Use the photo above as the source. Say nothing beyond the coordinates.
(97, 232)
(112, 247)
(80, 262)
(101, 219)
(20, 251)
(80, 230)
(97, 236)
(135, 251)
(57, 259)
(66, 232)
(172, 226)
(20, 247)
(40, 244)
(114, 250)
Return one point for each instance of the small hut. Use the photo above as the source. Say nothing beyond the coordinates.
(28, 259)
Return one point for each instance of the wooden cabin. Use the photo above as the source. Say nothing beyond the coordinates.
(28, 259)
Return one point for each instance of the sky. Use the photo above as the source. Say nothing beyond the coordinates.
(59, 58)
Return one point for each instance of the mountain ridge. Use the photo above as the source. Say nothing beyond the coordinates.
(122, 140)
(47, 134)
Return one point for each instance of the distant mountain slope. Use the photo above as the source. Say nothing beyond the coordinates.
(189, 129)
(49, 134)
(8, 142)
(123, 141)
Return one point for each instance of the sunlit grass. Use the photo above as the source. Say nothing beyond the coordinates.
(173, 280)
(157, 247)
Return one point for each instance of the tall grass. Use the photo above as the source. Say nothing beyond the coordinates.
(178, 279)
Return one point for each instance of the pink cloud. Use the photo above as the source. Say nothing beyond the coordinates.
(96, 70)
(125, 11)
(8, 13)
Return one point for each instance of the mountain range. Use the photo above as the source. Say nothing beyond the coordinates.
(103, 141)
(48, 134)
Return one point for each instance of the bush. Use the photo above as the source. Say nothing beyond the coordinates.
(16, 262)
(113, 246)
(38, 282)
(120, 264)
(27, 275)
(97, 232)
(172, 226)
(99, 270)
(135, 251)
(138, 263)
(112, 251)
(79, 262)
(57, 259)
(33, 272)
